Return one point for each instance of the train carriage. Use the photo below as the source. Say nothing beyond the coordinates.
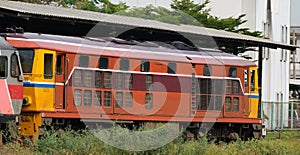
(71, 79)
(11, 84)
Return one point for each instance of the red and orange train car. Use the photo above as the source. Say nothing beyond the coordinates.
(72, 80)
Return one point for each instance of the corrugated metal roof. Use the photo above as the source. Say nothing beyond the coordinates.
(73, 14)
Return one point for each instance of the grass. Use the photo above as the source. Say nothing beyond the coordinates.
(88, 142)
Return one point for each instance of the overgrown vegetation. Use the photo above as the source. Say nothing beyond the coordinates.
(87, 142)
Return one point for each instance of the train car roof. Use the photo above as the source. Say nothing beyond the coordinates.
(127, 49)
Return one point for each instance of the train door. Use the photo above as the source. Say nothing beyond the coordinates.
(60, 79)
(253, 93)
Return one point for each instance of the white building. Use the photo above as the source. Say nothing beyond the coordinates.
(275, 25)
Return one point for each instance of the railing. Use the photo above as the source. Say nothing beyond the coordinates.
(275, 115)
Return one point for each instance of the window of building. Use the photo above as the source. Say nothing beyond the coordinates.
(107, 80)
(235, 104)
(14, 66)
(107, 98)
(207, 70)
(77, 77)
(3, 67)
(26, 58)
(145, 66)
(232, 72)
(59, 59)
(97, 98)
(77, 97)
(103, 62)
(119, 80)
(119, 99)
(128, 99)
(48, 61)
(172, 68)
(149, 102)
(98, 79)
(124, 64)
(128, 81)
(87, 78)
(83, 61)
(228, 104)
(149, 81)
(87, 98)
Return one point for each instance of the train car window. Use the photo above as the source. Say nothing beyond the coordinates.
(119, 80)
(219, 86)
(59, 64)
(235, 104)
(98, 79)
(203, 102)
(149, 101)
(107, 80)
(172, 68)
(228, 87)
(77, 77)
(246, 78)
(232, 72)
(149, 81)
(83, 61)
(97, 98)
(128, 81)
(236, 87)
(14, 67)
(207, 70)
(145, 66)
(124, 64)
(87, 78)
(219, 102)
(211, 102)
(228, 104)
(107, 99)
(3, 67)
(87, 98)
(77, 97)
(48, 66)
(203, 86)
(252, 83)
(128, 99)
(103, 63)
(119, 99)
(26, 58)
(198, 102)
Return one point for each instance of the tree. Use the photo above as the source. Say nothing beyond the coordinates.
(202, 15)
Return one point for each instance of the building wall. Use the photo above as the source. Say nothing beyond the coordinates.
(275, 78)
